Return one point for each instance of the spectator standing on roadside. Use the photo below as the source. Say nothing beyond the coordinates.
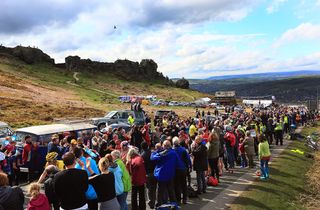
(200, 164)
(71, 185)
(11, 198)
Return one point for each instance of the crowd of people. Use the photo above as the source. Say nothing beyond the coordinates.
(152, 164)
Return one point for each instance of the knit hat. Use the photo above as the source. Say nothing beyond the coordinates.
(51, 156)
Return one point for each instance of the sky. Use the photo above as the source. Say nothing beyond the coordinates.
(187, 38)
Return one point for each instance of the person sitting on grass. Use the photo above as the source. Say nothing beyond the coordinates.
(264, 157)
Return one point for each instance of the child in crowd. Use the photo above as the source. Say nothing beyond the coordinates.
(38, 200)
(244, 162)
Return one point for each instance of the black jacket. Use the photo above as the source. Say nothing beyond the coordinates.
(70, 186)
(11, 198)
(200, 161)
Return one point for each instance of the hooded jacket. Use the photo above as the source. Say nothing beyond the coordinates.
(115, 169)
(39, 203)
(11, 198)
(126, 178)
(167, 162)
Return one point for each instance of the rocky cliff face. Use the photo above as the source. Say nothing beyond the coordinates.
(147, 68)
(126, 69)
(29, 55)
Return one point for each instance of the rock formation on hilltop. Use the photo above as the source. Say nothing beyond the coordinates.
(126, 69)
(147, 68)
(29, 55)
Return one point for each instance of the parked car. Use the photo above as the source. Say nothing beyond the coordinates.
(117, 117)
(5, 130)
(173, 103)
(160, 102)
(41, 135)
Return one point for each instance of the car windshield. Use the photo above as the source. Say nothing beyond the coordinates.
(5, 131)
(110, 114)
(19, 136)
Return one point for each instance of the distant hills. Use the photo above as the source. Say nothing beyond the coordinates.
(268, 76)
(287, 87)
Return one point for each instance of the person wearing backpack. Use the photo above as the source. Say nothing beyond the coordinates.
(230, 140)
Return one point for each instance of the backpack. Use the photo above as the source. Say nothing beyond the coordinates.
(192, 193)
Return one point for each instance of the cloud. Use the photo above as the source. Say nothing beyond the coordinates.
(17, 16)
(21, 16)
(303, 32)
(275, 5)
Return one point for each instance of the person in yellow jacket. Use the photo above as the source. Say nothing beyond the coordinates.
(278, 132)
(286, 123)
(130, 119)
(264, 157)
(192, 130)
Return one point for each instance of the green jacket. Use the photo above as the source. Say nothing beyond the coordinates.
(264, 150)
(126, 178)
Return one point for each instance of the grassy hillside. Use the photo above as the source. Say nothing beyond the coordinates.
(40, 93)
(296, 89)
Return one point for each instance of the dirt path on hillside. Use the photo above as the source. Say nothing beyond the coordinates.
(16, 88)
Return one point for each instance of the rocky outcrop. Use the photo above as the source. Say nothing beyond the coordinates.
(147, 68)
(182, 83)
(29, 55)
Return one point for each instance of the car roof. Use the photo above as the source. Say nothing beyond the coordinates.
(55, 128)
(3, 124)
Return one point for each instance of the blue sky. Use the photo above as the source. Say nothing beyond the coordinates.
(189, 38)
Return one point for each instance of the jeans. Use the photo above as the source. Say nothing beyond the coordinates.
(230, 153)
(165, 189)
(264, 168)
(122, 199)
(201, 181)
(213, 163)
(152, 189)
(244, 162)
(134, 198)
(180, 185)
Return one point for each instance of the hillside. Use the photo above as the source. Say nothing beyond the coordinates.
(287, 90)
(37, 91)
